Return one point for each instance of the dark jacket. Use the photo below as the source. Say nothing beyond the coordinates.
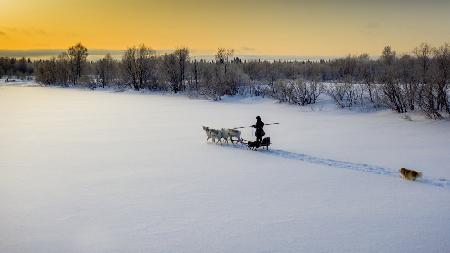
(259, 128)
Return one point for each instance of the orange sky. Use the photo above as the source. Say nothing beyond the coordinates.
(265, 27)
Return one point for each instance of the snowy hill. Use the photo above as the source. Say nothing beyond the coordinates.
(97, 171)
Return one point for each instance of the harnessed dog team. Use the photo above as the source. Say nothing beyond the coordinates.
(228, 134)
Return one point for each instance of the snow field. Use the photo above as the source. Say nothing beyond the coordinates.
(96, 171)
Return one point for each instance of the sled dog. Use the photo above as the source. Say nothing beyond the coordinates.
(234, 133)
(410, 174)
(216, 134)
(224, 134)
(253, 144)
(211, 134)
(208, 132)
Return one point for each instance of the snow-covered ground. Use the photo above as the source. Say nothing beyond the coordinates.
(98, 171)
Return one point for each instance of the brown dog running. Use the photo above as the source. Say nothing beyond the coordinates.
(410, 174)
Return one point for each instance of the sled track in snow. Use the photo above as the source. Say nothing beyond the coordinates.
(361, 167)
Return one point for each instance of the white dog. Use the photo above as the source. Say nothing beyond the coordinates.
(216, 134)
(223, 133)
(208, 132)
(213, 134)
(234, 133)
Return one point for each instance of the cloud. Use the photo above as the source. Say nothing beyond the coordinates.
(247, 49)
(22, 31)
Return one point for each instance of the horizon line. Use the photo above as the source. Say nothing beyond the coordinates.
(96, 53)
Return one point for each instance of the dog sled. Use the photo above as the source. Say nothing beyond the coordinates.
(234, 135)
(255, 145)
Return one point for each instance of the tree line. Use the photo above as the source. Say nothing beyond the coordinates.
(418, 81)
(16, 67)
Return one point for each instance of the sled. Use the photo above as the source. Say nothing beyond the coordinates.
(255, 145)
(266, 142)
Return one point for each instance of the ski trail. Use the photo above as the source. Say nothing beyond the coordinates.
(361, 167)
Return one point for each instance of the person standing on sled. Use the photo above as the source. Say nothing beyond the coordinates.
(259, 133)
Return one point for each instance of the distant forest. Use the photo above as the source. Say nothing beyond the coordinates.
(410, 82)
